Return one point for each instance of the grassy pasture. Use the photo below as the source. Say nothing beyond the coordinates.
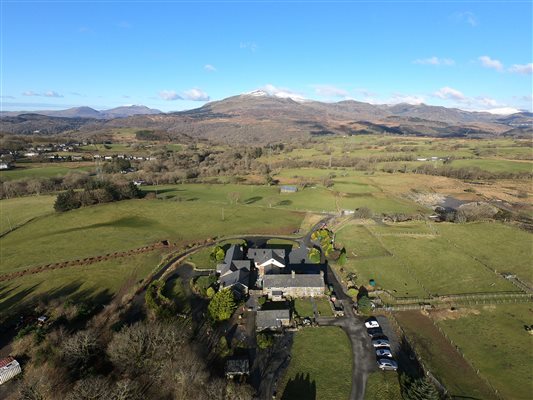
(308, 376)
(133, 223)
(17, 211)
(418, 259)
(495, 341)
(495, 165)
(36, 170)
(502, 247)
(439, 356)
(96, 282)
(315, 199)
(382, 385)
(442, 268)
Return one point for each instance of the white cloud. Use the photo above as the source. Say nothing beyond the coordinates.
(448, 93)
(252, 46)
(405, 98)
(195, 95)
(282, 92)
(467, 16)
(30, 93)
(52, 93)
(488, 62)
(524, 69)
(330, 91)
(502, 110)
(434, 61)
(209, 68)
(169, 95)
(7, 97)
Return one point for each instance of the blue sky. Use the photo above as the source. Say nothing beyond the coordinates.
(178, 55)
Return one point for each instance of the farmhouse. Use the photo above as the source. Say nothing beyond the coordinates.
(234, 272)
(280, 287)
(272, 319)
(9, 368)
(267, 261)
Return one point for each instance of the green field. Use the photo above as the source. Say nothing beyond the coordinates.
(316, 199)
(383, 385)
(495, 165)
(416, 259)
(320, 367)
(47, 171)
(17, 211)
(95, 282)
(501, 247)
(495, 341)
(442, 359)
(129, 224)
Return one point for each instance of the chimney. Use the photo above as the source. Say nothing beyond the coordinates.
(293, 274)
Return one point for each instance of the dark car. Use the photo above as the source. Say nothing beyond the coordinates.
(374, 332)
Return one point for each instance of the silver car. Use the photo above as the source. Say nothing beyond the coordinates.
(380, 343)
(387, 364)
(383, 353)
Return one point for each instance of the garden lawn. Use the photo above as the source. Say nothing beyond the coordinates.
(493, 338)
(382, 385)
(323, 307)
(128, 224)
(17, 211)
(95, 282)
(320, 367)
(304, 307)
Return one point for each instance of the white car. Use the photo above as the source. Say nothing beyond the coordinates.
(383, 353)
(371, 323)
(387, 364)
(380, 343)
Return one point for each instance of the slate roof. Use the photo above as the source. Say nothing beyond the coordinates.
(237, 366)
(261, 255)
(271, 318)
(241, 276)
(288, 280)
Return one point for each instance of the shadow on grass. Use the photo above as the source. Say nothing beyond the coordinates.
(125, 222)
(253, 200)
(300, 388)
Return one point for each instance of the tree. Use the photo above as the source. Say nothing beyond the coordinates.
(264, 341)
(67, 201)
(217, 254)
(222, 305)
(418, 388)
(314, 256)
(342, 257)
(364, 305)
(210, 292)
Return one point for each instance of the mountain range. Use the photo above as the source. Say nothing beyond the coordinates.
(88, 112)
(261, 117)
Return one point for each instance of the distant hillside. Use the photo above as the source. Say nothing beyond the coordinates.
(88, 112)
(259, 117)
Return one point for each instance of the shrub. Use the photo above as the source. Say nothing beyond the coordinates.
(364, 305)
(264, 341)
(222, 305)
(314, 256)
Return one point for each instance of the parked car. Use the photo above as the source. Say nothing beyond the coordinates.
(387, 364)
(371, 322)
(383, 353)
(380, 343)
(374, 332)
